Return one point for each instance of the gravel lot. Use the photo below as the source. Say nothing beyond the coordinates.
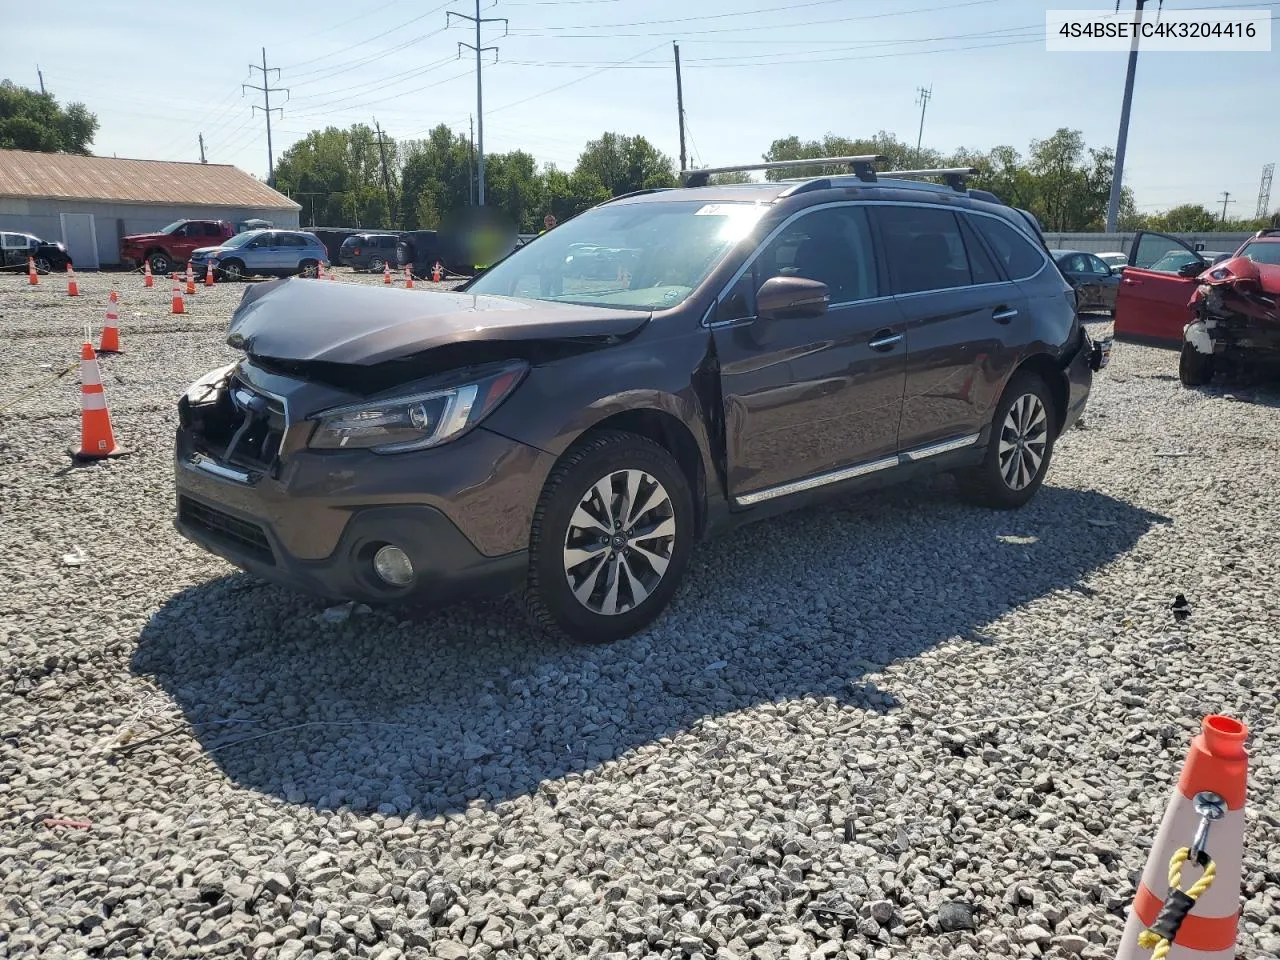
(893, 727)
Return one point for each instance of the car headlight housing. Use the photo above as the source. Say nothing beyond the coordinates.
(205, 390)
(414, 421)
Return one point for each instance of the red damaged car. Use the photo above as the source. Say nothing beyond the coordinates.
(1221, 313)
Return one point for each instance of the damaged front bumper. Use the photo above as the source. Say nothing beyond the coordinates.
(1235, 317)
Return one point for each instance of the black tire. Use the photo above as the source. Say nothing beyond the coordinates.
(45, 265)
(1001, 480)
(231, 270)
(376, 264)
(307, 268)
(549, 600)
(160, 262)
(1194, 368)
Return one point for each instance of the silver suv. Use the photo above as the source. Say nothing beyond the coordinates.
(278, 253)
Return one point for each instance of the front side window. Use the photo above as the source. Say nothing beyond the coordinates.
(1096, 266)
(924, 248)
(649, 255)
(1161, 254)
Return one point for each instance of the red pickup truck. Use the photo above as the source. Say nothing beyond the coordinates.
(171, 248)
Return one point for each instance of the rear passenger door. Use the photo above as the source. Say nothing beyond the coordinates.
(961, 313)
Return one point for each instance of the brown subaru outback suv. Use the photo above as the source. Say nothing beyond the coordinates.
(734, 352)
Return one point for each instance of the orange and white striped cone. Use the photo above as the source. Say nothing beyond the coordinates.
(73, 288)
(436, 273)
(147, 279)
(408, 278)
(110, 342)
(386, 274)
(191, 280)
(97, 442)
(33, 277)
(1201, 838)
(208, 273)
(319, 269)
(179, 305)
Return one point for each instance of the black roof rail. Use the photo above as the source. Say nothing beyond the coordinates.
(862, 165)
(634, 193)
(1268, 232)
(954, 177)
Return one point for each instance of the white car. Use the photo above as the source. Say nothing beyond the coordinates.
(1113, 258)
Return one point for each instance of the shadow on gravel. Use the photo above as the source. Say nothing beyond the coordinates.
(430, 713)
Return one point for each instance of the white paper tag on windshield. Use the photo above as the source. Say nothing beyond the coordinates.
(717, 209)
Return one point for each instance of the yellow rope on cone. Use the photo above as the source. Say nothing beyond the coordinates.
(1160, 945)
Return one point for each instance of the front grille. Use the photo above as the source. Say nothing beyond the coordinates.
(234, 532)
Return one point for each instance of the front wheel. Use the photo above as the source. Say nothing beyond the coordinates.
(610, 540)
(307, 268)
(1195, 369)
(1021, 446)
(160, 263)
(232, 270)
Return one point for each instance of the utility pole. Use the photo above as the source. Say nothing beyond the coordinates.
(1264, 192)
(1117, 175)
(202, 159)
(386, 178)
(41, 76)
(923, 100)
(1226, 198)
(680, 105)
(471, 163)
(478, 20)
(267, 90)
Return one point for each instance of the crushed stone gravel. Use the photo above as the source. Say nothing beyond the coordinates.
(893, 726)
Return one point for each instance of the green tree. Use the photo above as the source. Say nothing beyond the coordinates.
(568, 194)
(513, 183)
(898, 155)
(623, 164)
(30, 120)
(336, 174)
(1186, 218)
(435, 178)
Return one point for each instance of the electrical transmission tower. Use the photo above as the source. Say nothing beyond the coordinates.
(267, 91)
(1264, 191)
(478, 21)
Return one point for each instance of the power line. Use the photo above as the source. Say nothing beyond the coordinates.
(479, 49)
(267, 90)
(360, 43)
(588, 76)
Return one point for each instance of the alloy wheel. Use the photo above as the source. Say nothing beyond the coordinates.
(619, 542)
(231, 271)
(1024, 438)
(44, 265)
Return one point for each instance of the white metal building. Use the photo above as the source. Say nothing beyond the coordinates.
(89, 203)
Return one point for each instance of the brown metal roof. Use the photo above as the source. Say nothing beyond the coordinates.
(65, 176)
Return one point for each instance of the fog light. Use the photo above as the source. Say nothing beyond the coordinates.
(393, 565)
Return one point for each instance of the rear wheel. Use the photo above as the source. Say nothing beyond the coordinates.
(231, 270)
(1021, 446)
(160, 262)
(1195, 369)
(376, 264)
(307, 268)
(610, 540)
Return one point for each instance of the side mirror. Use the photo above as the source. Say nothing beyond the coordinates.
(788, 298)
(1192, 269)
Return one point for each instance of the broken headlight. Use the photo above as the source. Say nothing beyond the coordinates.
(416, 421)
(205, 390)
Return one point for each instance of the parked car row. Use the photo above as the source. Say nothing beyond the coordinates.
(17, 248)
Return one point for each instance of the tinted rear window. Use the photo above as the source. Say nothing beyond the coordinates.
(1015, 252)
(925, 249)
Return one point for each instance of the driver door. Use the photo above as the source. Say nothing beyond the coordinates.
(815, 399)
(1152, 304)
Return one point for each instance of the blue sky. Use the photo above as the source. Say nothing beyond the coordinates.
(754, 70)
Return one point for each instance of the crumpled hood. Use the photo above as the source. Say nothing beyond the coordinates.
(1243, 287)
(303, 319)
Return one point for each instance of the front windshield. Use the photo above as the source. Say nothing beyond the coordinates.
(639, 256)
(240, 239)
(1262, 252)
(173, 226)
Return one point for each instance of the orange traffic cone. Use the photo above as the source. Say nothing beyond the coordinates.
(1188, 903)
(96, 439)
(147, 279)
(386, 274)
(319, 269)
(179, 305)
(436, 273)
(111, 329)
(191, 280)
(408, 278)
(73, 288)
(208, 274)
(32, 276)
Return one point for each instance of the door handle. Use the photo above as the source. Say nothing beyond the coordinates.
(1004, 314)
(884, 340)
(1131, 282)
